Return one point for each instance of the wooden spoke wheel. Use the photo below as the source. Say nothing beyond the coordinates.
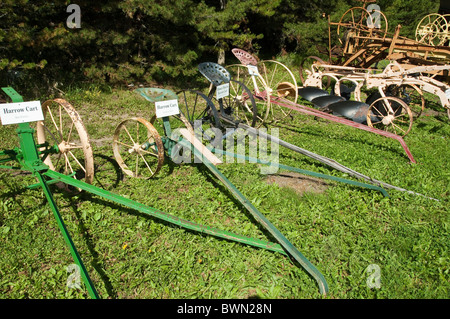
(282, 84)
(138, 148)
(357, 25)
(62, 125)
(432, 29)
(390, 114)
(256, 84)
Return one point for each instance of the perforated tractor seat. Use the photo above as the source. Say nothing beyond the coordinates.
(353, 110)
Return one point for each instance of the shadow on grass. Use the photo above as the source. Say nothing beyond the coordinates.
(108, 173)
(133, 212)
(96, 263)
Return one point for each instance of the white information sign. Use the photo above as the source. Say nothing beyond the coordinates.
(21, 112)
(252, 70)
(447, 93)
(167, 108)
(222, 90)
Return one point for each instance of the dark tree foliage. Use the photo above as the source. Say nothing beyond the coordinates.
(161, 41)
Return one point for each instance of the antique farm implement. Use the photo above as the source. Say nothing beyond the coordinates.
(31, 156)
(363, 40)
(226, 122)
(399, 97)
(140, 150)
(248, 73)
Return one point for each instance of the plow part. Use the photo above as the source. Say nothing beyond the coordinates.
(322, 98)
(330, 162)
(311, 111)
(311, 93)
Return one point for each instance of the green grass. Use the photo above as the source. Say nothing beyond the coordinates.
(341, 231)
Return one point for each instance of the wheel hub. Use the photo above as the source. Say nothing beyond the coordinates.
(388, 119)
(65, 147)
(135, 149)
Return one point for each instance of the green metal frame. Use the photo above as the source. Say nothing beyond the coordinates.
(28, 157)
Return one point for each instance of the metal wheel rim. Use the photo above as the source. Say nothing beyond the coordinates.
(258, 88)
(132, 147)
(359, 25)
(273, 83)
(416, 112)
(389, 125)
(66, 120)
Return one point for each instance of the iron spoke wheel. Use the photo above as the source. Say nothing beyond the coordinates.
(62, 125)
(390, 114)
(200, 113)
(282, 84)
(138, 148)
(411, 95)
(238, 107)
(432, 30)
(257, 86)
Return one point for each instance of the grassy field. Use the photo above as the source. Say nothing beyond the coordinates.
(341, 229)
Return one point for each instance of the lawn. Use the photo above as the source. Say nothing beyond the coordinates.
(347, 232)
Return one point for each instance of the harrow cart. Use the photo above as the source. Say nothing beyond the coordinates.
(31, 157)
(140, 146)
(248, 73)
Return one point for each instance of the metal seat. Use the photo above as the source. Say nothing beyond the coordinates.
(156, 94)
(214, 72)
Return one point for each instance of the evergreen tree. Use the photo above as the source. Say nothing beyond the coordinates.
(161, 41)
